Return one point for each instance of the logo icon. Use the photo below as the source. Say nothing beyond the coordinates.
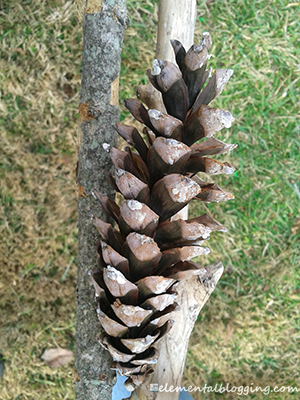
(153, 387)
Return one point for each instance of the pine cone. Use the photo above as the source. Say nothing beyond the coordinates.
(141, 261)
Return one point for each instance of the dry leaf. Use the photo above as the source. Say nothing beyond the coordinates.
(57, 357)
(18, 50)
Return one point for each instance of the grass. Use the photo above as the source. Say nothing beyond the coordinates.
(249, 331)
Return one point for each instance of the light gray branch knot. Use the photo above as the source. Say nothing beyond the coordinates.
(213, 274)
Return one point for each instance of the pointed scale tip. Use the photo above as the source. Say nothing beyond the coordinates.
(176, 44)
(168, 75)
(196, 57)
(156, 67)
(206, 40)
(197, 48)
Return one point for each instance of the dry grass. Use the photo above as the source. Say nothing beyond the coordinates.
(40, 78)
(249, 330)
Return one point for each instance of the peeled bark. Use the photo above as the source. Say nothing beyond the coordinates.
(192, 296)
(104, 23)
(176, 21)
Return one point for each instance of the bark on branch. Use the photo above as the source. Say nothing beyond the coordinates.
(102, 45)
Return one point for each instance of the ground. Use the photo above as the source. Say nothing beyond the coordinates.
(249, 331)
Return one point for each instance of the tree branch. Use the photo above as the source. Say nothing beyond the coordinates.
(102, 45)
(193, 293)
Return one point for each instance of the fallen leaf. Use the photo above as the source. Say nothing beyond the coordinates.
(57, 357)
(18, 50)
(266, 288)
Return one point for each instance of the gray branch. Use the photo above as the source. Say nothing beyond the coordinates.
(102, 45)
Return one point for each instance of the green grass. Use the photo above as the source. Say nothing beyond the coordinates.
(249, 331)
